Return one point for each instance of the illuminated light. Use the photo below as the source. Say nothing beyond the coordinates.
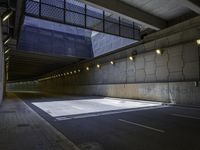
(98, 66)
(7, 40)
(79, 70)
(7, 51)
(159, 51)
(7, 15)
(64, 74)
(87, 68)
(67, 73)
(71, 72)
(112, 62)
(131, 58)
(7, 59)
(74, 71)
(198, 42)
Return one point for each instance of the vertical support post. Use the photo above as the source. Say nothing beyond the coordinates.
(40, 8)
(1, 64)
(64, 15)
(119, 26)
(85, 16)
(134, 31)
(103, 21)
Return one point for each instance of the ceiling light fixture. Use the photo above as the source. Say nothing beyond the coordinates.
(7, 50)
(7, 40)
(7, 15)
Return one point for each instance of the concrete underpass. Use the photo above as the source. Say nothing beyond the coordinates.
(99, 75)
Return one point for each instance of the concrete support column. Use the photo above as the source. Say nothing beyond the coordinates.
(1, 64)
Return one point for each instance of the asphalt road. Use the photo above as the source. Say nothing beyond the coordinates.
(159, 128)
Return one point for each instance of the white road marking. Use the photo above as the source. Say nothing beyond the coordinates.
(186, 116)
(140, 125)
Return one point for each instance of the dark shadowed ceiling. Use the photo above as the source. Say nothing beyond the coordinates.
(26, 66)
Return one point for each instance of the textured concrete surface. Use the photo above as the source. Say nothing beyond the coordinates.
(23, 129)
(167, 127)
(103, 43)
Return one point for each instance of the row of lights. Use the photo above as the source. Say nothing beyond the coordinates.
(131, 58)
(160, 51)
(5, 16)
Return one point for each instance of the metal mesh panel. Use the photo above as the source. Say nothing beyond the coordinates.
(75, 6)
(32, 7)
(126, 32)
(94, 12)
(75, 18)
(52, 12)
(94, 24)
(56, 3)
(76, 13)
(112, 28)
(111, 17)
(125, 22)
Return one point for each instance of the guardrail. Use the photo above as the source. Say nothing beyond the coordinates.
(76, 13)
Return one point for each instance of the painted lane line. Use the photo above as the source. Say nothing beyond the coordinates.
(141, 125)
(186, 116)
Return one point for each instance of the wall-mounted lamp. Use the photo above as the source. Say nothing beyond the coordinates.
(196, 83)
(159, 51)
(7, 59)
(133, 55)
(198, 41)
(7, 15)
(131, 58)
(112, 62)
(87, 68)
(98, 66)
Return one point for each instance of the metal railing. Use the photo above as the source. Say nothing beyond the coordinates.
(76, 13)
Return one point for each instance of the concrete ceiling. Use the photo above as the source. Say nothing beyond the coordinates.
(154, 14)
(165, 9)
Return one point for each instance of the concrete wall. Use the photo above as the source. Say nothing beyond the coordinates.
(1, 65)
(170, 77)
(30, 86)
(103, 43)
